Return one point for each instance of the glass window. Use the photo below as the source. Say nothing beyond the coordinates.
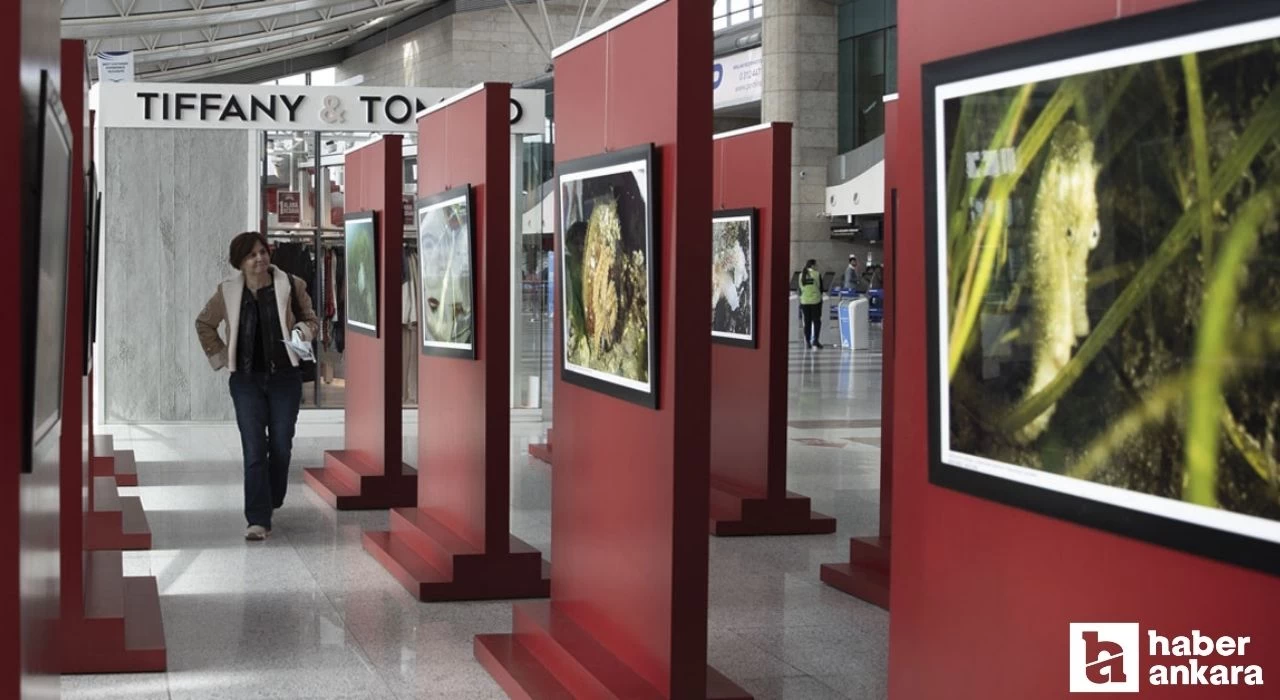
(324, 76)
(868, 16)
(867, 70)
(844, 96)
(869, 86)
(891, 61)
(288, 172)
(726, 13)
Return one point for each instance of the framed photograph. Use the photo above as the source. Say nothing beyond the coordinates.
(92, 246)
(733, 277)
(1102, 208)
(446, 254)
(362, 272)
(45, 275)
(90, 257)
(608, 273)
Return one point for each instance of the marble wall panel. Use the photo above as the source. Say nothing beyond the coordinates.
(173, 200)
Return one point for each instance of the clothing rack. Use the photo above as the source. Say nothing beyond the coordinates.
(291, 235)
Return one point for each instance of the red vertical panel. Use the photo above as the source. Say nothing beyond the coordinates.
(891, 169)
(73, 463)
(749, 384)
(464, 417)
(373, 369)
(630, 483)
(983, 593)
(29, 36)
(748, 392)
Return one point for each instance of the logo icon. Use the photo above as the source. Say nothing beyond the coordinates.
(1104, 657)
(332, 112)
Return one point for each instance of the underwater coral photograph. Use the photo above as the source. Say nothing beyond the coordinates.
(362, 272)
(445, 239)
(1104, 260)
(607, 263)
(733, 272)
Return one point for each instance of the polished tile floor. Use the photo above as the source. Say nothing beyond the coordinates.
(309, 615)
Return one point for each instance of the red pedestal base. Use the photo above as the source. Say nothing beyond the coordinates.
(866, 576)
(115, 522)
(108, 462)
(540, 451)
(550, 656)
(735, 513)
(433, 563)
(349, 482)
(122, 630)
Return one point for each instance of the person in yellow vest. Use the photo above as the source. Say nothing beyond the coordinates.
(811, 304)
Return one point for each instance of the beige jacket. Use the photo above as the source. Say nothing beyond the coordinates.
(224, 307)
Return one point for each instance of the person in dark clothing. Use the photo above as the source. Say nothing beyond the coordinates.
(257, 304)
(811, 304)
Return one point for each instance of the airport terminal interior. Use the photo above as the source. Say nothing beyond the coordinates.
(363, 349)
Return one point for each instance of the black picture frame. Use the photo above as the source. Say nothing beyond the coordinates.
(466, 193)
(1124, 518)
(44, 275)
(751, 339)
(597, 167)
(371, 219)
(90, 260)
(92, 248)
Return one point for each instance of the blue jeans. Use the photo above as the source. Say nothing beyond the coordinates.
(266, 413)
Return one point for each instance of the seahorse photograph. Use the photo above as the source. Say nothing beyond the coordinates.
(606, 260)
(732, 277)
(362, 273)
(444, 248)
(1109, 279)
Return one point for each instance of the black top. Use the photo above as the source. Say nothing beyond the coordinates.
(262, 347)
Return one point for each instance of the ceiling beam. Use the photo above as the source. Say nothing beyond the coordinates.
(207, 71)
(111, 26)
(249, 41)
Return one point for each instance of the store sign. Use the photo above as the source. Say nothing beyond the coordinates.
(738, 78)
(292, 108)
(406, 201)
(115, 66)
(289, 209)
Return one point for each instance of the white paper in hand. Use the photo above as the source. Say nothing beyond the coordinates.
(299, 346)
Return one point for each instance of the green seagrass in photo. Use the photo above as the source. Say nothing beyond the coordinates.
(607, 262)
(1107, 236)
(362, 272)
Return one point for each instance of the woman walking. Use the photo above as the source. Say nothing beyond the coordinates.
(262, 305)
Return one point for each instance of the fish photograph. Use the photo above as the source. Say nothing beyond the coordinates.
(445, 249)
(608, 268)
(362, 272)
(733, 272)
(1104, 261)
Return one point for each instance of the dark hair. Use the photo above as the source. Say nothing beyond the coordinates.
(243, 244)
(811, 263)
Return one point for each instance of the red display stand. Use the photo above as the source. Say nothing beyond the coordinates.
(120, 465)
(457, 543)
(113, 522)
(866, 574)
(977, 584)
(107, 622)
(628, 610)
(369, 471)
(752, 170)
(541, 450)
